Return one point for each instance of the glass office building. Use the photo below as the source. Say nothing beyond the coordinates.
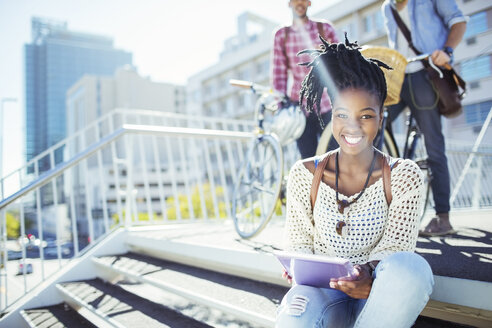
(54, 60)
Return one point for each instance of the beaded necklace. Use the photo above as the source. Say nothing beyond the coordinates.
(342, 204)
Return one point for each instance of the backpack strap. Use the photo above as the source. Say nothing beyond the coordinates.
(387, 167)
(286, 35)
(318, 174)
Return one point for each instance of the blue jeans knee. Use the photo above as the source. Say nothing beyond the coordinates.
(306, 306)
(410, 268)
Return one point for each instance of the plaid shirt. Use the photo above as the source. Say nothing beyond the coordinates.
(296, 41)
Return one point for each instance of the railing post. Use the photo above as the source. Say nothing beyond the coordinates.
(39, 221)
(129, 203)
(55, 206)
(116, 174)
(88, 193)
(145, 172)
(3, 259)
(102, 184)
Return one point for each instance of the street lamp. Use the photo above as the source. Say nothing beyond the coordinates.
(3, 100)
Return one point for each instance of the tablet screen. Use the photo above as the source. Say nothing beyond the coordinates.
(314, 270)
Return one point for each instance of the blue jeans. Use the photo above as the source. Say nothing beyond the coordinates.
(418, 94)
(402, 285)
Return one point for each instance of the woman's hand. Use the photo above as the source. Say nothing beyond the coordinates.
(285, 275)
(360, 287)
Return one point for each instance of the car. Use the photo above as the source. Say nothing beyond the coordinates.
(28, 268)
(53, 250)
(14, 255)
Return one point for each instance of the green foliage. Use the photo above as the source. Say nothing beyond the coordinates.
(196, 204)
(184, 208)
(13, 225)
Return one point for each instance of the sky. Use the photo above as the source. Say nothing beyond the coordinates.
(170, 41)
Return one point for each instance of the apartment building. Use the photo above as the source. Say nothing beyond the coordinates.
(93, 97)
(248, 57)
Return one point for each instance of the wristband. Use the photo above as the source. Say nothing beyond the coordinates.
(371, 268)
(449, 51)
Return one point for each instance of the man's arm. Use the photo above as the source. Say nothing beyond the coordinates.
(456, 34)
(453, 17)
(439, 57)
(279, 74)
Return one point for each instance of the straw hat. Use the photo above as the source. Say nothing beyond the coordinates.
(394, 78)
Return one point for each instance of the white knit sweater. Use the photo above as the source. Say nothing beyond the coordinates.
(375, 231)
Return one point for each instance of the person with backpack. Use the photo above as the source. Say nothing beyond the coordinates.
(355, 203)
(303, 33)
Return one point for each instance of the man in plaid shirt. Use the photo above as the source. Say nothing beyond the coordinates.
(288, 41)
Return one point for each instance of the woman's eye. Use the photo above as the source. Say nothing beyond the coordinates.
(341, 115)
(367, 117)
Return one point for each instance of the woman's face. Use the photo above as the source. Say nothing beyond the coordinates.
(356, 120)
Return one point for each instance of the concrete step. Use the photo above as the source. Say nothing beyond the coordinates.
(56, 316)
(250, 301)
(217, 247)
(109, 305)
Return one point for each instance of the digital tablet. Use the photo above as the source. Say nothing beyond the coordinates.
(315, 270)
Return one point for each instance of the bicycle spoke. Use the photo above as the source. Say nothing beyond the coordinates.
(258, 187)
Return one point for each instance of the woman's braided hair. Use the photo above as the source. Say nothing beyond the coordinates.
(339, 66)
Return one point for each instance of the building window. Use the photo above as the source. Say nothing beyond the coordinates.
(379, 21)
(477, 24)
(368, 24)
(476, 68)
(475, 114)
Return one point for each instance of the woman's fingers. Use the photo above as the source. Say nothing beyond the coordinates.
(285, 275)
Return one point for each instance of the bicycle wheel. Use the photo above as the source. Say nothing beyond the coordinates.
(389, 145)
(258, 186)
(419, 154)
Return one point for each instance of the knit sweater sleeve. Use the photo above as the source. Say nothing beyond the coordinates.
(401, 231)
(299, 228)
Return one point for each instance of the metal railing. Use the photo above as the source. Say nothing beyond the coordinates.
(104, 126)
(138, 174)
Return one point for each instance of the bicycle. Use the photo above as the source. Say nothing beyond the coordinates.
(261, 180)
(413, 147)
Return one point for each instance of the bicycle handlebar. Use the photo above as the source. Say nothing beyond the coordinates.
(256, 88)
(431, 63)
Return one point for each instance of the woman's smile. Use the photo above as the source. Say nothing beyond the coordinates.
(352, 140)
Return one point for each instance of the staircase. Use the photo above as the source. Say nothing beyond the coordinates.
(134, 279)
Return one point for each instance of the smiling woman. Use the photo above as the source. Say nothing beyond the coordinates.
(366, 210)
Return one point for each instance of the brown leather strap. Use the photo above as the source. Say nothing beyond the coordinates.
(386, 167)
(406, 33)
(404, 30)
(286, 35)
(318, 174)
(386, 179)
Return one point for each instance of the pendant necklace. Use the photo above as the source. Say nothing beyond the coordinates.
(341, 226)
